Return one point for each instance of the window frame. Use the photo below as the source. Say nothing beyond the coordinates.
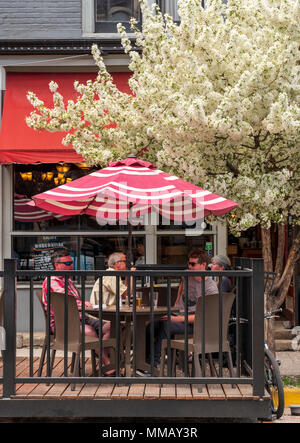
(89, 28)
(111, 26)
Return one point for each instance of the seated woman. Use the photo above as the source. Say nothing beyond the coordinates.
(222, 263)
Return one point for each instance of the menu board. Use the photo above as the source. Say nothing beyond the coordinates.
(42, 255)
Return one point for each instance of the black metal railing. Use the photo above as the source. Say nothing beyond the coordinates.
(248, 343)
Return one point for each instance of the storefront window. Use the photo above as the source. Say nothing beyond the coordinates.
(30, 180)
(88, 253)
(247, 245)
(174, 249)
(34, 253)
(168, 225)
(88, 223)
(34, 179)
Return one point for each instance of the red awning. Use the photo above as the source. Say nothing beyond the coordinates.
(21, 144)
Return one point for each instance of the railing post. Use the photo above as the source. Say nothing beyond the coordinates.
(258, 327)
(9, 308)
(244, 310)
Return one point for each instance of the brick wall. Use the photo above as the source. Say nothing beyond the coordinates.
(24, 19)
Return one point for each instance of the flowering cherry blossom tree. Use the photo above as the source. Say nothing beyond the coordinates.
(215, 101)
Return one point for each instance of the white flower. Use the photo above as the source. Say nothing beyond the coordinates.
(53, 86)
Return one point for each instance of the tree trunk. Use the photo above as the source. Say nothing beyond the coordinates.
(268, 302)
(266, 248)
(270, 305)
(270, 334)
(280, 248)
(275, 298)
(281, 287)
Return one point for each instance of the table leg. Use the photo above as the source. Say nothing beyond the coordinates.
(127, 333)
(141, 345)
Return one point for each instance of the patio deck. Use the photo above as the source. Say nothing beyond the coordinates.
(116, 391)
(24, 395)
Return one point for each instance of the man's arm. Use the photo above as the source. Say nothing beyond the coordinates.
(179, 293)
(124, 295)
(179, 318)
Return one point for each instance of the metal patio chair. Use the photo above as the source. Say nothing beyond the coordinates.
(39, 295)
(211, 319)
(74, 334)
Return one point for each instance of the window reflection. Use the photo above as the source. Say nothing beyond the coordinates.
(170, 7)
(30, 180)
(116, 10)
(88, 252)
(174, 249)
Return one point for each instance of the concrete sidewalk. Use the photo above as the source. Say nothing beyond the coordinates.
(286, 418)
(289, 367)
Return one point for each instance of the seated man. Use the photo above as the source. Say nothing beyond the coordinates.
(62, 261)
(116, 262)
(198, 261)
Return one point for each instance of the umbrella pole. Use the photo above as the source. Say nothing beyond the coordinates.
(129, 253)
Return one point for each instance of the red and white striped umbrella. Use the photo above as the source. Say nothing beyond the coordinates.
(28, 214)
(128, 189)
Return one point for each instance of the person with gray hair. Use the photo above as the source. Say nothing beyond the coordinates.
(222, 263)
(116, 262)
(115, 257)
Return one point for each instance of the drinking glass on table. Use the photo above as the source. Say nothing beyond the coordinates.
(138, 297)
(155, 299)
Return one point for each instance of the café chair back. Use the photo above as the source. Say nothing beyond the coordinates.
(211, 319)
(39, 295)
(74, 334)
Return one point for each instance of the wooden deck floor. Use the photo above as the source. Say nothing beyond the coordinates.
(114, 391)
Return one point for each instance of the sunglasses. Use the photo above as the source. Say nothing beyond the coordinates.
(67, 263)
(191, 263)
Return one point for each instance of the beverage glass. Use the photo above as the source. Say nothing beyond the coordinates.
(155, 299)
(139, 299)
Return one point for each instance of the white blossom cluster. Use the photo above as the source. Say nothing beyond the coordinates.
(215, 101)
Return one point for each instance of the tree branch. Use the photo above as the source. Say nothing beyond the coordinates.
(232, 168)
(145, 148)
(280, 248)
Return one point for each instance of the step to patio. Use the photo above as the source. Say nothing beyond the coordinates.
(23, 339)
(283, 337)
(284, 334)
(283, 345)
